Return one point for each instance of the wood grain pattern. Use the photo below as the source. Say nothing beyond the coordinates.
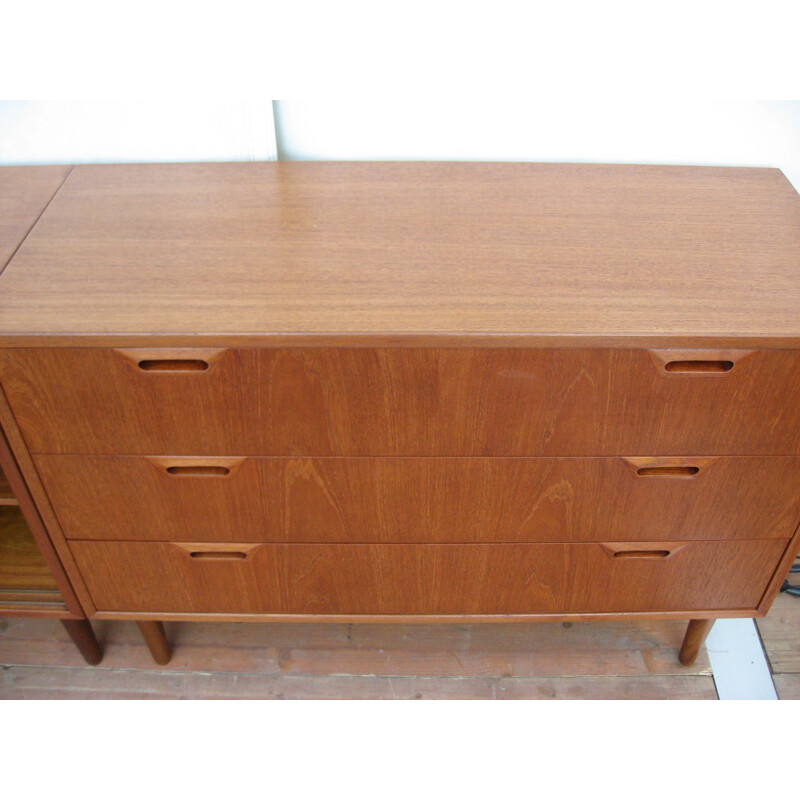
(82, 635)
(781, 572)
(40, 602)
(682, 614)
(636, 647)
(787, 685)
(21, 564)
(457, 354)
(420, 499)
(25, 192)
(156, 641)
(43, 684)
(696, 634)
(66, 575)
(7, 497)
(404, 248)
(401, 401)
(424, 579)
(600, 659)
(780, 633)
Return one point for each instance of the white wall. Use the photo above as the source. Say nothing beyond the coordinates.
(45, 132)
(735, 133)
(732, 133)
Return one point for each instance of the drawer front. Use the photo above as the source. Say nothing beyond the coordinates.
(425, 579)
(405, 401)
(416, 500)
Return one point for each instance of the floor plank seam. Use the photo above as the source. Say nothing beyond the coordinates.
(356, 675)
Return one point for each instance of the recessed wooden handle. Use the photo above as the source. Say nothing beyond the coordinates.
(646, 550)
(699, 365)
(668, 471)
(211, 551)
(669, 467)
(225, 555)
(187, 360)
(642, 553)
(196, 466)
(198, 471)
(173, 365)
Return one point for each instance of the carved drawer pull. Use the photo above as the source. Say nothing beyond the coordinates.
(699, 363)
(178, 360)
(642, 550)
(642, 553)
(173, 365)
(669, 467)
(668, 472)
(209, 551)
(222, 554)
(199, 470)
(197, 466)
(698, 366)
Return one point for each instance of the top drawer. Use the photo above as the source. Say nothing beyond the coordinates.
(405, 401)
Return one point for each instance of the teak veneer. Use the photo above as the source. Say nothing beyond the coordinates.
(418, 500)
(411, 392)
(32, 578)
(212, 254)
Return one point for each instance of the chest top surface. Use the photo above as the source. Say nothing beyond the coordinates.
(556, 253)
(24, 194)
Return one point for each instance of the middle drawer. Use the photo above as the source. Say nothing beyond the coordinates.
(419, 500)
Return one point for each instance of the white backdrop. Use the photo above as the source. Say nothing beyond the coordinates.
(724, 132)
(733, 133)
(52, 132)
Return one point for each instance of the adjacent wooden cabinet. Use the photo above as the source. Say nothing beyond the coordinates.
(32, 579)
(331, 391)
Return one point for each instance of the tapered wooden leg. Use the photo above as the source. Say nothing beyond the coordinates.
(695, 636)
(156, 640)
(81, 633)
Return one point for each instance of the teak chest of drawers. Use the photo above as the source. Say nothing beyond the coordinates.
(304, 391)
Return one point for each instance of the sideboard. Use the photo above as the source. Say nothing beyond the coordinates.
(409, 391)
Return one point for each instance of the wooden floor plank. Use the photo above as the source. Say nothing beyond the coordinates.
(75, 683)
(635, 660)
(490, 650)
(655, 687)
(787, 685)
(780, 632)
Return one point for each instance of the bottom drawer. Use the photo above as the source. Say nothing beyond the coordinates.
(426, 579)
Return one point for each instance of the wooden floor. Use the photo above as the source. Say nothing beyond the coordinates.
(491, 661)
(780, 633)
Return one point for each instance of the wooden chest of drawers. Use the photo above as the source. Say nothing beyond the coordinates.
(411, 391)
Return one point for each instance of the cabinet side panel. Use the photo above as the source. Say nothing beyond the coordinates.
(25, 483)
